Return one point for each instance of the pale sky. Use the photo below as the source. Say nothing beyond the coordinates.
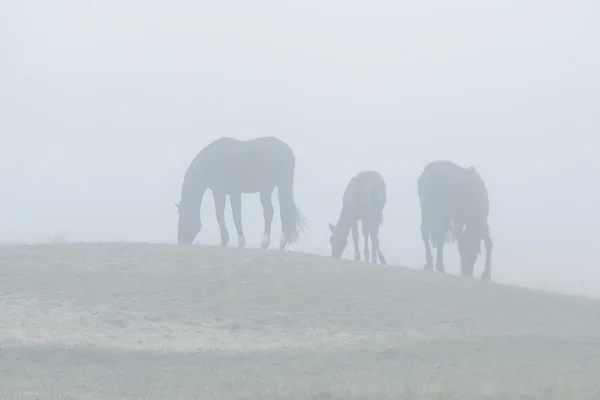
(105, 103)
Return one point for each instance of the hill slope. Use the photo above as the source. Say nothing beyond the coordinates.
(164, 321)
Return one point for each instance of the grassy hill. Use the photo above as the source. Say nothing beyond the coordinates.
(112, 321)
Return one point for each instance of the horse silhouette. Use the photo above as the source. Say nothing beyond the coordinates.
(454, 207)
(230, 167)
(364, 199)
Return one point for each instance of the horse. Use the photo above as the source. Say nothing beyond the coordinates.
(454, 207)
(364, 199)
(230, 167)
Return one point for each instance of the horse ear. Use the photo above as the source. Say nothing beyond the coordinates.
(177, 205)
(331, 227)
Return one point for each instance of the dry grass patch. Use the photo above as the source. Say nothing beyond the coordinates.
(116, 321)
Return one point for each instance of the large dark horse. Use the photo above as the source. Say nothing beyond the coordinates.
(364, 200)
(231, 167)
(454, 207)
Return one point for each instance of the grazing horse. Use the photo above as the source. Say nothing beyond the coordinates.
(364, 200)
(454, 207)
(231, 167)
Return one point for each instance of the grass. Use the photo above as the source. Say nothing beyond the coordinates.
(142, 321)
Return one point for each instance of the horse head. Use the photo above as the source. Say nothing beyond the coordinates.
(338, 242)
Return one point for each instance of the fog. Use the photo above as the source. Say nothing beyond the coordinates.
(104, 105)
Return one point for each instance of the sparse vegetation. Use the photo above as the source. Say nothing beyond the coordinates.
(114, 321)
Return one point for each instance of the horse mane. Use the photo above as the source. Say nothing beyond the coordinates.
(478, 191)
(191, 187)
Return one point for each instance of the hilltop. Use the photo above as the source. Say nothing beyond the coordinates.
(165, 321)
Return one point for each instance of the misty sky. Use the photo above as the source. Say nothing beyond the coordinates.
(105, 103)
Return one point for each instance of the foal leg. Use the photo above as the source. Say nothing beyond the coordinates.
(440, 238)
(487, 273)
(267, 205)
(219, 198)
(366, 230)
(459, 233)
(355, 239)
(375, 244)
(236, 210)
(425, 235)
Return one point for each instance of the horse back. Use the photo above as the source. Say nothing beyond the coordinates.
(454, 192)
(247, 166)
(365, 196)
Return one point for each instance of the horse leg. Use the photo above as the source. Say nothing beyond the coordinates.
(381, 257)
(236, 210)
(219, 198)
(459, 233)
(365, 231)
(428, 255)
(487, 273)
(355, 239)
(440, 238)
(267, 205)
(375, 244)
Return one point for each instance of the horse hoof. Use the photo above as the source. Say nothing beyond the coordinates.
(264, 244)
(382, 260)
(487, 275)
(241, 242)
(282, 243)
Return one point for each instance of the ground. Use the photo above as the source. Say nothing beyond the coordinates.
(144, 321)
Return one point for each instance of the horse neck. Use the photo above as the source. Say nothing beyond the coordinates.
(193, 188)
(344, 222)
(475, 199)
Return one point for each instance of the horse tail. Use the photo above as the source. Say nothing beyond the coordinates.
(442, 233)
(450, 234)
(292, 220)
